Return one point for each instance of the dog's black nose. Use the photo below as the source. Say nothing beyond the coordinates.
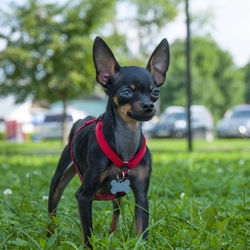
(148, 106)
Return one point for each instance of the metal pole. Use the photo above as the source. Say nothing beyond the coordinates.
(188, 78)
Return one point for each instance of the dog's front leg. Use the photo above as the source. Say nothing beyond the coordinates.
(140, 189)
(141, 215)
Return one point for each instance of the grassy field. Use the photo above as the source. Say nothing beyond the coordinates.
(198, 200)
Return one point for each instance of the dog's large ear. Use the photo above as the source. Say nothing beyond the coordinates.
(105, 63)
(159, 62)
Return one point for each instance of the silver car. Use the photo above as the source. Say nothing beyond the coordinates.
(173, 123)
(51, 128)
(235, 123)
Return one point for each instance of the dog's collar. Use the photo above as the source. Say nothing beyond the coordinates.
(107, 150)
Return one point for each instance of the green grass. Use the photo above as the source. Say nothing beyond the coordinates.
(198, 200)
(44, 147)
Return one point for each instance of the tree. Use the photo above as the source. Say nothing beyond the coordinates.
(246, 73)
(216, 82)
(150, 18)
(48, 49)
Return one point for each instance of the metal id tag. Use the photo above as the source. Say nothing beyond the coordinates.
(120, 186)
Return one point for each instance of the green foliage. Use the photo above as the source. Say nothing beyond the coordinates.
(158, 12)
(48, 53)
(216, 83)
(197, 200)
(2, 136)
(151, 17)
(246, 72)
(49, 49)
(49, 46)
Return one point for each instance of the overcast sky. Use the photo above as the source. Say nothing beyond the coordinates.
(230, 25)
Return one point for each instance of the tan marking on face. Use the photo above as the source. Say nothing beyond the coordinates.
(132, 86)
(140, 171)
(151, 87)
(123, 112)
(138, 225)
(115, 99)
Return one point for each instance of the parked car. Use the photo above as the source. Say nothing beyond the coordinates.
(51, 128)
(173, 123)
(235, 123)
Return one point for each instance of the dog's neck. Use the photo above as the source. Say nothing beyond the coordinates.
(125, 137)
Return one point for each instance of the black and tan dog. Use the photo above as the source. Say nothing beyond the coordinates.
(132, 92)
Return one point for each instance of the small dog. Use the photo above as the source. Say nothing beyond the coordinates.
(109, 152)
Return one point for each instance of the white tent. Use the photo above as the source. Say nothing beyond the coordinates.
(20, 112)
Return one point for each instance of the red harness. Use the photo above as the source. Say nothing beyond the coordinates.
(107, 150)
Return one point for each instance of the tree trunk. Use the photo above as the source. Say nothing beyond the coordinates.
(64, 122)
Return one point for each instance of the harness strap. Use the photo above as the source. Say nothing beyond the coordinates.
(110, 154)
(107, 150)
(71, 144)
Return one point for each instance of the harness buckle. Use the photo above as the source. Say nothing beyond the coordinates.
(125, 163)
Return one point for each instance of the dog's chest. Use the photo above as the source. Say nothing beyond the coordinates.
(126, 143)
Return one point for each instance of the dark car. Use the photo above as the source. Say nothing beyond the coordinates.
(173, 123)
(235, 123)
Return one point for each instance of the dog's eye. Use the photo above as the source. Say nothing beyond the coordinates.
(155, 93)
(127, 93)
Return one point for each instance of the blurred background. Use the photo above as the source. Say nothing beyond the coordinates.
(197, 200)
(47, 77)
